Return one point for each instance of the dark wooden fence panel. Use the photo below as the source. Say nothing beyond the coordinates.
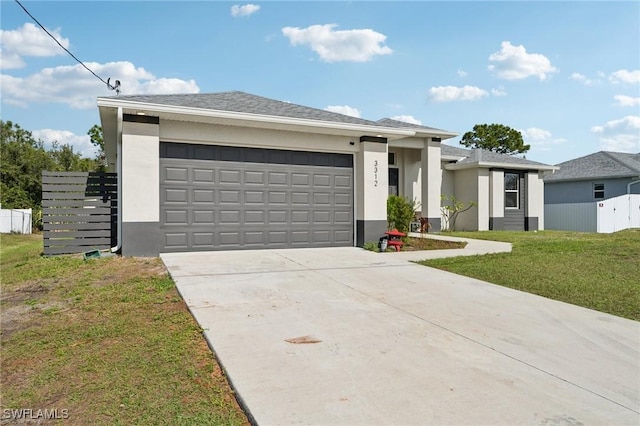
(79, 211)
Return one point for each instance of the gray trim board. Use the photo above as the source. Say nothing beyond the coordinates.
(134, 118)
(141, 239)
(531, 224)
(496, 223)
(369, 230)
(376, 139)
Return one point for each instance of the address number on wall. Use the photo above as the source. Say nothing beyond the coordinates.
(375, 172)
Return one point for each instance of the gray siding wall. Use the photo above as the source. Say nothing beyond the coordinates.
(582, 191)
(580, 217)
(514, 218)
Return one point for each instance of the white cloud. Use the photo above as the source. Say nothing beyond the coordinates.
(624, 76)
(339, 45)
(498, 91)
(540, 139)
(76, 87)
(80, 143)
(621, 135)
(576, 76)
(407, 119)
(462, 73)
(344, 109)
(514, 63)
(626, 101)
(244, 10)
(454, 93)
(28, 40)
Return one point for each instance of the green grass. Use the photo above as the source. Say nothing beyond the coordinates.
(597, 271)
(109, 340)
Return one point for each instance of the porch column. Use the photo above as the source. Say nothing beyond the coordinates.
(496, 200)
(534, 214)
(431, 183)
(140, 196)
(372, 189)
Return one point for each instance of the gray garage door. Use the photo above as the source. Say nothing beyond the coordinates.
(228, 198)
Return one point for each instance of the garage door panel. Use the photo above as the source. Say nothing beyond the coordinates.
(176, 174)
(206, 196)
(229, 196)
(176, 217)
(254, 197)
(300, 179)
(172, 195)
(201, 217)
(298, 200)
(230, 176)
(230, 217)
(204, 175)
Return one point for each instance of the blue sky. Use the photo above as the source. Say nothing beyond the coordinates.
(566, 74)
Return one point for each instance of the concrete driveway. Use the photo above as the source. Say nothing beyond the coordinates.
(399, 343)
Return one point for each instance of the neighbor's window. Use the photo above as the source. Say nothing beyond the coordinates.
(598, 191)
(511, 190)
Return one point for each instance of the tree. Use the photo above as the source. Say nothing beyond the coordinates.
(97, 139)
(22, 160)
(495, 137)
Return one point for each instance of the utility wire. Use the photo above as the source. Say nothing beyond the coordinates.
(111, 87)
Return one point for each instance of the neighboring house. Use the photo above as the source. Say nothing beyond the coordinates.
(232, 170)
(576, 193)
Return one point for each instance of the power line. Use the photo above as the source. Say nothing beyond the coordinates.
(115, 87)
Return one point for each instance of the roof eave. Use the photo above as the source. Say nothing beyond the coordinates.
(578, 179)
(491, 165)
(133, 107)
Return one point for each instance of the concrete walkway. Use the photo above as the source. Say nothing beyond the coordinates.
(400, 343)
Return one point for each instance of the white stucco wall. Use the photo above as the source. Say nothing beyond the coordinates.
(431, 179)
(535, 197)
(483, 199)
(466, 190)
(179, 131)
(372, 181)
(140, 172)
(496, 193)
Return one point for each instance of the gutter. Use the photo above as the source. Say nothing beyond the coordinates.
(118, 246)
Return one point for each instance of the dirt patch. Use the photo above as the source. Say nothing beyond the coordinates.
(414, 244)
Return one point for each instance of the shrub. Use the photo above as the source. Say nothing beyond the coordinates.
(400, 212)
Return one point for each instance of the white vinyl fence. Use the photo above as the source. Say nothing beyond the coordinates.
(15, 220)
(606, 216)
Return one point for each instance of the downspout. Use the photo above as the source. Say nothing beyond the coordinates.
(118, 246)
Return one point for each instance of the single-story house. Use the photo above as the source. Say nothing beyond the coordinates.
(233, 170)
(576, 193)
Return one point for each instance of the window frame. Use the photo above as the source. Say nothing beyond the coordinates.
(598, 188)
(512, 191)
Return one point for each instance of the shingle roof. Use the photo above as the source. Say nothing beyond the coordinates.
(603, 164)
(452, 151)
(389, 122)
(477, 155)
(247, 103)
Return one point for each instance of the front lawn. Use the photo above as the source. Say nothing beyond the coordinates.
(103, 341)
(597, 271)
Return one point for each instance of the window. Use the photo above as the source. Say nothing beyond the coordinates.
(511, 190)
(598, 191)
(393, 181)
(392, 158)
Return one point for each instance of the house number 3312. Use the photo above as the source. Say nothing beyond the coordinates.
(375, 172)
